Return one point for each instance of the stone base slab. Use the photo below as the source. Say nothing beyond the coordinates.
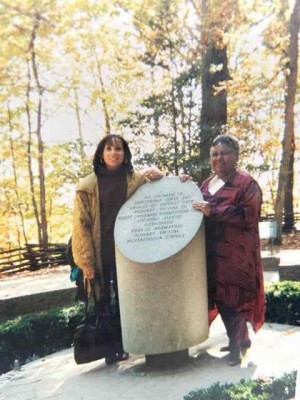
(175, 358)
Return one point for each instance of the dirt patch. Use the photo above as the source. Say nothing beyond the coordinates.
(290, 241)
(37, 273)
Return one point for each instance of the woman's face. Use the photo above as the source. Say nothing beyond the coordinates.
(223, 160)
(113, 154)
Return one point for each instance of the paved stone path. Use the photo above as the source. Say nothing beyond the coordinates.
(275, 350)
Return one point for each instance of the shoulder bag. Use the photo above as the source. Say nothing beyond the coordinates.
(97, 335)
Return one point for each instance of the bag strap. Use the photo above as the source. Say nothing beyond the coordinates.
(90, 296)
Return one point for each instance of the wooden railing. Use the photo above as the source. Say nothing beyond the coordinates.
(270, 217)
(32, 257)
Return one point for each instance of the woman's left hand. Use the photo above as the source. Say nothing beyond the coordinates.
(153, 174)
(202, 206)
(185, 177)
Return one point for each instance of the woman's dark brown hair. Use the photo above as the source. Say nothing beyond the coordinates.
(112, 139)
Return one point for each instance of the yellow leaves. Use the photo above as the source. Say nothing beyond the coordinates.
(5, 153)
(275, 35)
(95, 97)
(216, 38)
(213, 68)
(269, 143)
(69, 42)
(223, 85)
(220, 13)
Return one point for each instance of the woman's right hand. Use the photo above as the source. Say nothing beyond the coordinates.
(90, 274)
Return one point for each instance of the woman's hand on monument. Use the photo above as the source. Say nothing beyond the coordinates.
(185, 178)
(153, 173)
(202, 206)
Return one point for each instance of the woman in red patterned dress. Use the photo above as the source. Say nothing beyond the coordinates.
(231, 205)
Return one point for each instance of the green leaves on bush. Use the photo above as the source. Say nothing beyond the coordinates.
(37, 334)
(257, 389)
(283, 303)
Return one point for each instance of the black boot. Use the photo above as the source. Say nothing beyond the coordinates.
(234, 356)
(119, 356)
(245, 345)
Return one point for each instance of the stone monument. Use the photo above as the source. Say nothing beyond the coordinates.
(161, 267)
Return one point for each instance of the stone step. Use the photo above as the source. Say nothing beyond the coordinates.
(14, 306)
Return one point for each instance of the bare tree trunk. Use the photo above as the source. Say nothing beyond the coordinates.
(214, 106)
(289, 218)
(104, 103)
(290, 96)
(29, 159)
(157, 140)
(43, 203)
(189, 130)
(103, 96)
(79, 124)
(16, 180)
(7, 231)
(175, 130)
(214, 72)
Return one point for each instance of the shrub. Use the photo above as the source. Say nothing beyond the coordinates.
(283, 303)
(282, 388)
(37, 334)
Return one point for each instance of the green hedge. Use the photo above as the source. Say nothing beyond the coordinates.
(37, 334)
(282, 388)
(283, 303)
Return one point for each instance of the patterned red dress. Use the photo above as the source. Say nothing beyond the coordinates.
(234, 267)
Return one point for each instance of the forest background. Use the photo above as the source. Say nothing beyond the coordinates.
(168, 75)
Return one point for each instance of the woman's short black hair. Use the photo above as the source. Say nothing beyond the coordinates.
(112, 139)
(227, 140)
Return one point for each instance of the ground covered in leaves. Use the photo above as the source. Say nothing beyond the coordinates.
(290, 241)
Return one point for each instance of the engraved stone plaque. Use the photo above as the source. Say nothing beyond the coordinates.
(158, 220)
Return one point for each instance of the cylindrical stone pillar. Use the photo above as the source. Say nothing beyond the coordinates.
(161, 268)
(163, 305)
